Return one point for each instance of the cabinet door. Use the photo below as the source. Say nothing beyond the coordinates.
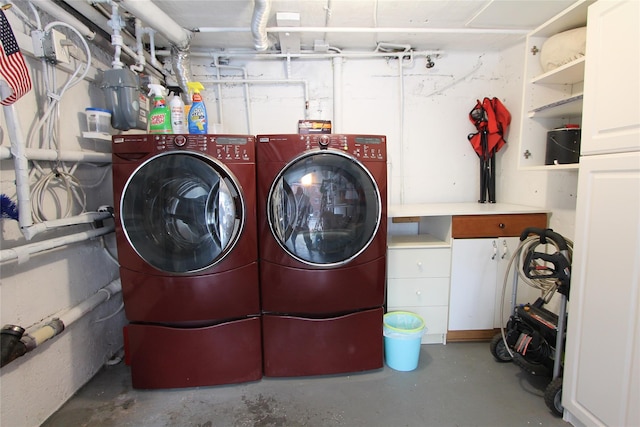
(473, 284)
(602, 371)
(612, 78)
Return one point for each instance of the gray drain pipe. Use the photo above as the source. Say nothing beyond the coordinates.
(14, 342)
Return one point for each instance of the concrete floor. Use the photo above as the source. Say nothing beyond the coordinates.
(458, 384)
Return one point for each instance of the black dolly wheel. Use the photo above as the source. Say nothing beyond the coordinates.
(553, 396)
(499, 349)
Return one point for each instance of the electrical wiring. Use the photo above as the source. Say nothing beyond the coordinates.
(59, 176)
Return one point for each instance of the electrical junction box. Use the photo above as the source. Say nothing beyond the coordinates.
(50, 45)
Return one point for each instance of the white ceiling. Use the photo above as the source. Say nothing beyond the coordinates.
(226, 24)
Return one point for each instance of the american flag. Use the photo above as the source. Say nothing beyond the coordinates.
(12, 66)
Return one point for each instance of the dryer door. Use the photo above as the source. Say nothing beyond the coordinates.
(324, 208)
(182, 212)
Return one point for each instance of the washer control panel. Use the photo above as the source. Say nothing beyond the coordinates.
(236, 148)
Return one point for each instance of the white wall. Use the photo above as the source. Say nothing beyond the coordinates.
(37, 384)
(426, 123)
(424, 114)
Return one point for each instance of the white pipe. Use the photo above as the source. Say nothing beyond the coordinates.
(314, 55)
(65, 156)
(20, 161)
(61, 15)
(84, 218)
(366, 30)
(259, 20)
(247, 94)
(157, 19)
(219, 86)
(401, 122)
(140, 59)
(116, 39)
(59, 322)
(23, 253)
(337, 95)
(103, 294)
(87, 10)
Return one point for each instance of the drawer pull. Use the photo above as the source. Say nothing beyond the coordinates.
(495, 250)
(419, 264)
(418, 293)
(501, 225)
(504, 249)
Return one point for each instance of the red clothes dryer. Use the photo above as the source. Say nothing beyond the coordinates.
(187, 246)
(322, 247)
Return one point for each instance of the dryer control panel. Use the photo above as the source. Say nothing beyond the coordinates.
(363, 147)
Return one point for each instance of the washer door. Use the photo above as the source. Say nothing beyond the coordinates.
(324, 208)
(182, 212)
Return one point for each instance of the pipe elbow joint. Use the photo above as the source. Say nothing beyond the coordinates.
(11, 345)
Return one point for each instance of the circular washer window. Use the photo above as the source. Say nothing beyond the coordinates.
(324, 208)
(182, 212)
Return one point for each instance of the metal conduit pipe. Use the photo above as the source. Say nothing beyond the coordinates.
(23, 253)
(15, 342)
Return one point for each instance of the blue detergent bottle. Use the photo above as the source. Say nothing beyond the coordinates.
(197, 119)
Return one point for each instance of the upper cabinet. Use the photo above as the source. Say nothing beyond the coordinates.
(552, 97)
(611, 121)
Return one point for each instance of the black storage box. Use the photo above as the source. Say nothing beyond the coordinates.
(563, 146)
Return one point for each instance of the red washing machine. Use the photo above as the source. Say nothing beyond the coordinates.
(322, 245)
(187, 246)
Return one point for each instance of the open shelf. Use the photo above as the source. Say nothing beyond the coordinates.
(567, 107)
(570, 73)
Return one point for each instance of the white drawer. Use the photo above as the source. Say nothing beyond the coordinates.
(418, 291)
(427, 262)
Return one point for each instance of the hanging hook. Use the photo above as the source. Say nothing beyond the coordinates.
(430, 63)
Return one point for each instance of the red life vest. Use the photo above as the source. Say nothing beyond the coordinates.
(491, 117)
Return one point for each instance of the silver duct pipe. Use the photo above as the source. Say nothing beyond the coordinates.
(181, 61)
(259, 24)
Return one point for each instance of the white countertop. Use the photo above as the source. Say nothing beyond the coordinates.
(445, 209)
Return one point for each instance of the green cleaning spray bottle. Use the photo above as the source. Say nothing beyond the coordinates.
(197, 119)
(160, 116)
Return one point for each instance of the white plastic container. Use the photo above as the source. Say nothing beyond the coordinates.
(98, 120)
(178, 118)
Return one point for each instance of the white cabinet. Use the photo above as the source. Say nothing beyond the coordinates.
(420, 265)
(551, 99)
(601, 381)
(479, 264)
(477, 282)
(418, 281)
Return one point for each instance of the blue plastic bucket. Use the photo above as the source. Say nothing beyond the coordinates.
(403, 333)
